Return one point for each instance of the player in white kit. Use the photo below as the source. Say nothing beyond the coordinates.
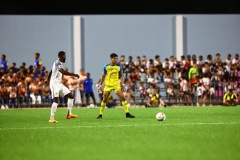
(58, 89)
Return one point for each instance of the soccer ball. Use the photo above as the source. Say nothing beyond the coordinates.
(92, 106)
(160, 116)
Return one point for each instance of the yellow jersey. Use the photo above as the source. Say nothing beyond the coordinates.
(112, 73)
(228, 97)
(154, 98)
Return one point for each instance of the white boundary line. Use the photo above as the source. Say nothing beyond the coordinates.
(109, 126)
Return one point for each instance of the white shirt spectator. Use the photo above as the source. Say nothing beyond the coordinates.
(184, 85)
(200, 90)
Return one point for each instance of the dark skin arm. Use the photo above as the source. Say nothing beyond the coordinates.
(68, 73)
(63, 72)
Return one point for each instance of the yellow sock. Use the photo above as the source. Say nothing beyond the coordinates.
(102, 107)
(124, 104)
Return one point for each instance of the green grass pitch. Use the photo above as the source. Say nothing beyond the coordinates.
(188, 133)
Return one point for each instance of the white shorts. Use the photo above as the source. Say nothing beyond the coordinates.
(59, 90)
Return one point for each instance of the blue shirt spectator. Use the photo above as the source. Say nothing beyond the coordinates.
(38, 61)
(4, 63)
(87, 83)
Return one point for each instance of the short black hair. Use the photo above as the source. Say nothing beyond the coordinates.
(113, 55)
(61, 53)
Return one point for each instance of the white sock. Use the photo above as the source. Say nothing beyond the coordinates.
(53, 110)
(70, 104)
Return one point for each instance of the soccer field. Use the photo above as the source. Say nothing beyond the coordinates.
(188, 133)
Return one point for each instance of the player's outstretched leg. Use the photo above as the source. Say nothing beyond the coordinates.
(70, 104)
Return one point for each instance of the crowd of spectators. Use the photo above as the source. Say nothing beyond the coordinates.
(190, 80)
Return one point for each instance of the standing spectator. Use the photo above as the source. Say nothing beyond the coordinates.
(82, 77)
(201, 92)
(37, 61)
(88, 90)
(4, 63)
(99, 91)
(5, 95)
(72, 83)
(193, 70)
(206, 84)
(185, 88)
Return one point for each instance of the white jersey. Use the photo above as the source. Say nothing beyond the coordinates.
(56, 77)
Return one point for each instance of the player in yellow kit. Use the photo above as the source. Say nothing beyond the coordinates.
(114, 81)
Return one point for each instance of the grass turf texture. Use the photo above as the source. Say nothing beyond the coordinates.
(187, 133)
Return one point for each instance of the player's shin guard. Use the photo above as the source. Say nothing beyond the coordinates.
(124, 104)
(70, 104)
(53, 110)
(103, 105)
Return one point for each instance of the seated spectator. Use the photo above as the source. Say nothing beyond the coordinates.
(143, 92)
(22, 91)
(151, 68)
(155, 99)
(130, 94)
(170, 91)
(35, 92)
(152, 79)
(12, 90)
(46, 94)
(230, 99)
(110, 102)
(133, 78)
